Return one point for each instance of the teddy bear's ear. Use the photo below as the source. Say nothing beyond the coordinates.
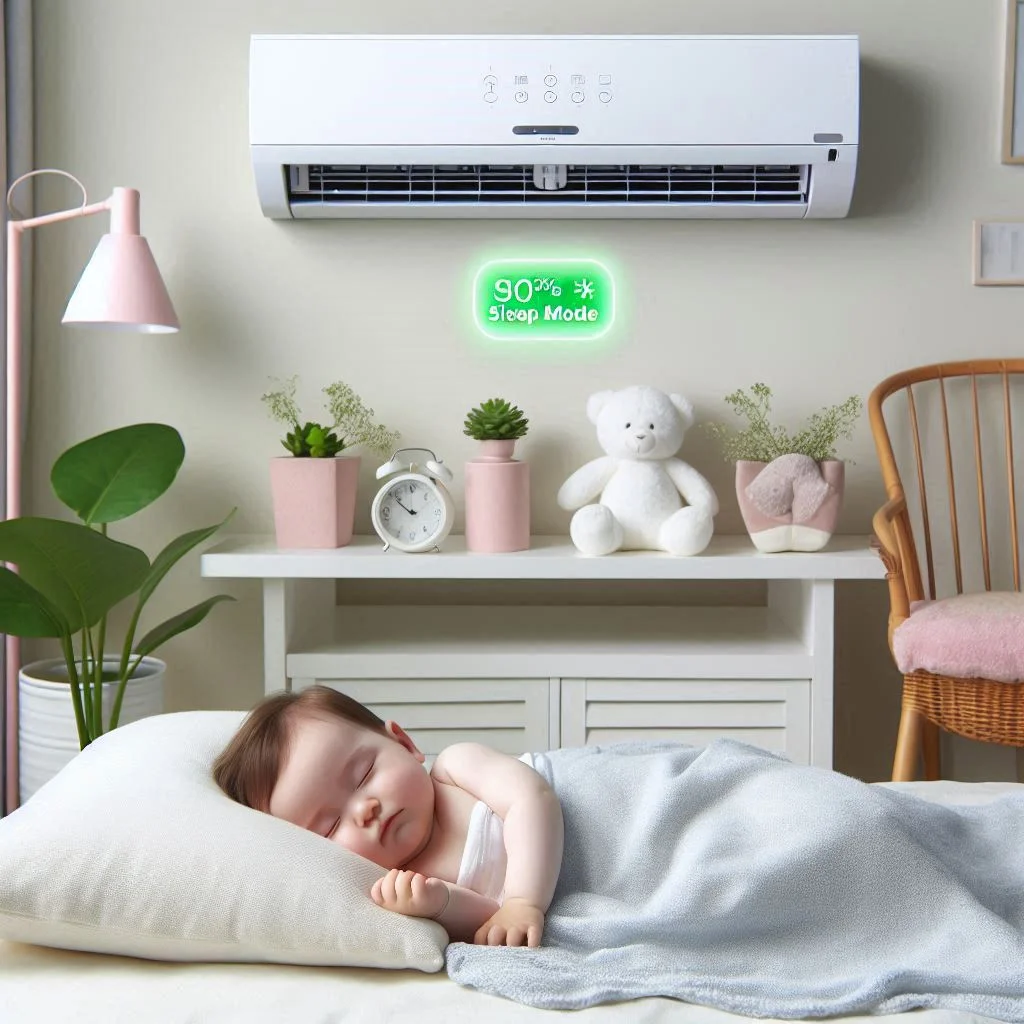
(685, 407)
(595, 403)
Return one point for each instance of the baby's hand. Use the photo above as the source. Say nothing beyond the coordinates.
(516, 923)
(410, 893)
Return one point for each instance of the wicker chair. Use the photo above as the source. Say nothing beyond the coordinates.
(952, 427)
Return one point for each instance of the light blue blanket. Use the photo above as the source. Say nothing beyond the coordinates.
(729, 877)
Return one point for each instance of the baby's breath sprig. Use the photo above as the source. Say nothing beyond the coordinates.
(281, 403)
(351, 422)
(761, 441)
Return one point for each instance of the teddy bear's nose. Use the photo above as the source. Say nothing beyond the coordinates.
(640, 437)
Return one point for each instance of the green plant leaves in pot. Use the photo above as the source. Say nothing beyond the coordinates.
(114, 475)
(71, 575)
(64, 567)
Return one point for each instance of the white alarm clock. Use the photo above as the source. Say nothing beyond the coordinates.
(413, 511)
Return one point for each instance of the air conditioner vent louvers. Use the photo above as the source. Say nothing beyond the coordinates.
(438, 185)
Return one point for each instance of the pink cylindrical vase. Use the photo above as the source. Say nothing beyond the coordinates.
(314, 500)
(497, 500)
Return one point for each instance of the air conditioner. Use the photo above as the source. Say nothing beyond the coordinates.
(554, 126)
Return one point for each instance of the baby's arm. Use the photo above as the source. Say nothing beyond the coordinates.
(460, 911)
(533, 836)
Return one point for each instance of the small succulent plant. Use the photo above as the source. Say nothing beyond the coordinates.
(351, 423)
(495, 420)
(313, 441)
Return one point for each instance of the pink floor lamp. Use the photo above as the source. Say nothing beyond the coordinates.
(120, 289)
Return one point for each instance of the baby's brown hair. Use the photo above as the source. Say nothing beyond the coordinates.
(249, 765)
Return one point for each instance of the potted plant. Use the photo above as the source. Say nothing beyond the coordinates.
(789, 486)
(497, 486)
(70, 575)
(314, 486)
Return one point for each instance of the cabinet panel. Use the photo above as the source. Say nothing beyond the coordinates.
(774, 714)
(770, 739)
(511, 715)
(685, 714)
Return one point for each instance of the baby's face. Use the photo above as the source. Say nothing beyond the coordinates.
(361, 789)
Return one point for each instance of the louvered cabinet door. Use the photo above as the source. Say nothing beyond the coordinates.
(771, 713)
(510, 715)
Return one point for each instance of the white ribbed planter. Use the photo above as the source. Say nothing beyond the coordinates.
(47, 734)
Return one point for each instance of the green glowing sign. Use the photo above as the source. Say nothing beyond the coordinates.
(544, 299)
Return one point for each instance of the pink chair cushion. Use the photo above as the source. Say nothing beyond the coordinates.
(969, 636)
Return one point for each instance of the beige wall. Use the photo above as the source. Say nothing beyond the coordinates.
(153, 95)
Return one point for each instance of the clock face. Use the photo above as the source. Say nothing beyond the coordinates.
(411, 513)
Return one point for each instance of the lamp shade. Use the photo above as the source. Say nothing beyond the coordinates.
(121, 288)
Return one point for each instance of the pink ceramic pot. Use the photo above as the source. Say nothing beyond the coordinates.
(497, 500)
(784, 531)
(314, 500)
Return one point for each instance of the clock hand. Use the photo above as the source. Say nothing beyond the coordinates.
(409, 510)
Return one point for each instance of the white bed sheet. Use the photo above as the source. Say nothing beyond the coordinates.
(48, 986)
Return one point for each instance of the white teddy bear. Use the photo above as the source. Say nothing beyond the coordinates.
(639, 481)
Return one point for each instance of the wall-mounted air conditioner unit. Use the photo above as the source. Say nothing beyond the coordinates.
(554, 126)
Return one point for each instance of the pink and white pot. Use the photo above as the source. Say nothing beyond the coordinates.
(314, 500)
(497, 500)
(791, 503)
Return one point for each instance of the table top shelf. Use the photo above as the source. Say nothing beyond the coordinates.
(728, 557)
(519, 641)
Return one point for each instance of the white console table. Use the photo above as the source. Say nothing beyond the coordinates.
(540, 676)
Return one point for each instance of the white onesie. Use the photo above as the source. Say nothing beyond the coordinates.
(483, 860)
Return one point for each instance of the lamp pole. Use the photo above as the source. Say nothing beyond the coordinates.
(120, 286)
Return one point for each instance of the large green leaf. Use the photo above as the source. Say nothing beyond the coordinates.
(113, 475)
(178, 624)
(78, 570)
(175, 551)
(24, 611)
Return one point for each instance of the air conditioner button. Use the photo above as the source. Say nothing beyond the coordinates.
(521, 96)
(490, 81)
(605, 96)
(490, 97)
(550, 80)
(550, 97)
(577, 96)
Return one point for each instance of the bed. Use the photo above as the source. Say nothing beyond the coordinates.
(39, 984)
(47, 986)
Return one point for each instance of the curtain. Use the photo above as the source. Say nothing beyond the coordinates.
(16, 159)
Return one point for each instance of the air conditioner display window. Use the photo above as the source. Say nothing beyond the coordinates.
(570, 299)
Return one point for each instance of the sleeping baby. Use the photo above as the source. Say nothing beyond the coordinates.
(724, 875)
(476, 844)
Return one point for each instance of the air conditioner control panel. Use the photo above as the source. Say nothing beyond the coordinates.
(393, 99)
(550, 87)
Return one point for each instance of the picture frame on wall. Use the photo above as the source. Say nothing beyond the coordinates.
(998, 252)
(1013, 86)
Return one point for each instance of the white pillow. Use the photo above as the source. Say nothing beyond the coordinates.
(133, 849)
